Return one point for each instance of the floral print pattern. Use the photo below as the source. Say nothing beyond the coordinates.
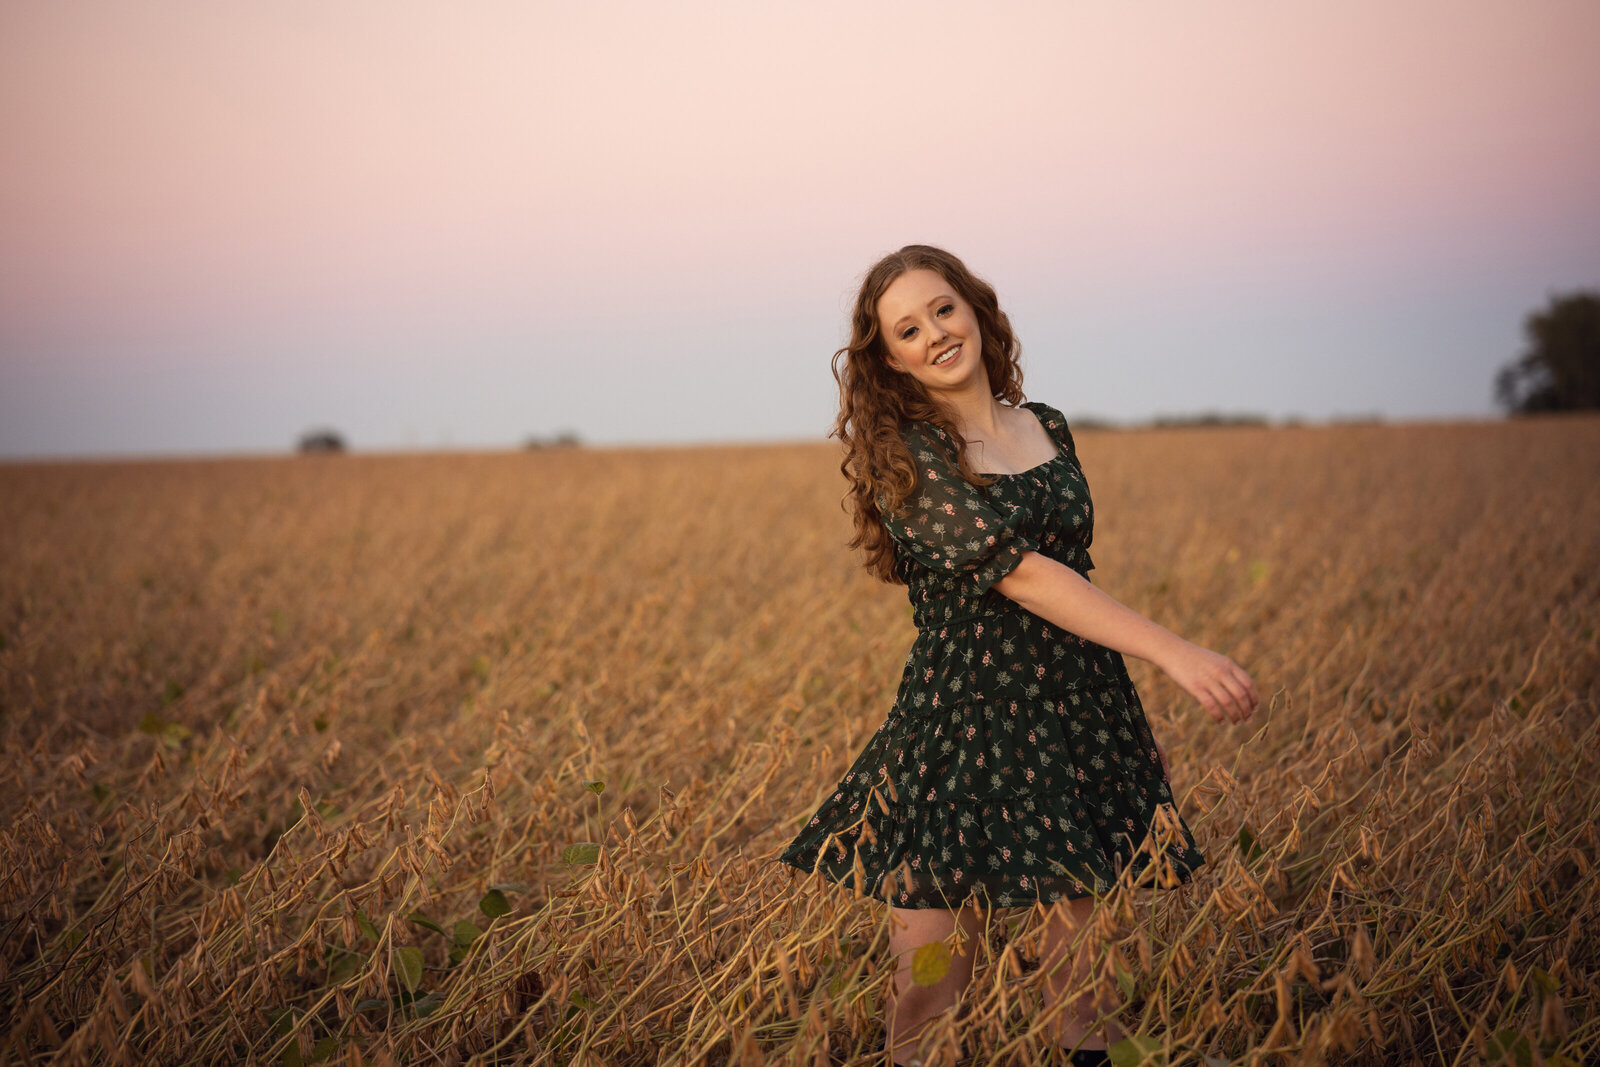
(1016, 765)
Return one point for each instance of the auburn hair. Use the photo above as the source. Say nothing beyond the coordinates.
(876, 401)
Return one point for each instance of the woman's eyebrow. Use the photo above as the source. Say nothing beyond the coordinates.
(942, 299)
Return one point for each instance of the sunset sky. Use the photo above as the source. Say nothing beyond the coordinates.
(458, 225)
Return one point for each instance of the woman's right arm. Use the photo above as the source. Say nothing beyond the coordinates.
(1059, 594)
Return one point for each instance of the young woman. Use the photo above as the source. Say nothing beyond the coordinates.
(1016, 766)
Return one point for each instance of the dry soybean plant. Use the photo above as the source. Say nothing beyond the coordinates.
(485, 758)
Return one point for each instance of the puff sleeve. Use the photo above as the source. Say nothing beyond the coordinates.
(948, 525)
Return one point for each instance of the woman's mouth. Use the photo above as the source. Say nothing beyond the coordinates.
(947, 355)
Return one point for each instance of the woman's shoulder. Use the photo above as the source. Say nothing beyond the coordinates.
(926, 436)
(1047, 414)
(1052, 420)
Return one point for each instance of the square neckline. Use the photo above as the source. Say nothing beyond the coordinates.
(1060, 448)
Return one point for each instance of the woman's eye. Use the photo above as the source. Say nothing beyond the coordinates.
(946, 309)
(907, 335)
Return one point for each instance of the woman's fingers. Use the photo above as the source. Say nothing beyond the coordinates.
(1220, 685)
(1236, 698)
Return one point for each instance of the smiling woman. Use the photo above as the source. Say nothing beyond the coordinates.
(1016, 767)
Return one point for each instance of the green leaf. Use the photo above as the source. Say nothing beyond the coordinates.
(1125, 982)
(427, 923)
(152, 723)
(364, 924)
(372, 1004)
(583, 1002)
(510, 887)
(342, 966)
(595, 785)
(323, 1049)
(494, 904)
(426, 1005)
(291, 1056)
(1544, 981)
(1511, 1045)
(466, 933)
(930, 963)
(408, 966)
(1248, 844)
(1136, 1050)
(581, 852)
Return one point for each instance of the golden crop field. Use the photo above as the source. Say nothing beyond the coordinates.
(485, 758)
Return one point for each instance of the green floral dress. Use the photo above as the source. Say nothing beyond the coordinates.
(1016, 765)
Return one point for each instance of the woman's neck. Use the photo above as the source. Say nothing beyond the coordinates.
(976, 412)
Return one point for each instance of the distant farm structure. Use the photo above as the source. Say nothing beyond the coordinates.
(321, 441)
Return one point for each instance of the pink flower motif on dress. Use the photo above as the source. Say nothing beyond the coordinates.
(979, 628)
(1030, 774)
(987, 659)
(1006, 852)
(1031, 738)
(958, 874)
(978, 520)
(971, 731)
(933, 476)
(949, 509)
(1024, 882)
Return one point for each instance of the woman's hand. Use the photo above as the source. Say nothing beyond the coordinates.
(1055, 592)
(1219, 684)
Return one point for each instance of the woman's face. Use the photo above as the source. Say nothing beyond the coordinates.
(930, 332)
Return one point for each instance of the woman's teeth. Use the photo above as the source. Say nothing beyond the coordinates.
(948, 355)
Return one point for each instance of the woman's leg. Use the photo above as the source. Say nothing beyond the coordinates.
(911, 1006)
(1065, 966)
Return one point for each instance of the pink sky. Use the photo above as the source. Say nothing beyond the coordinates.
(188, 188)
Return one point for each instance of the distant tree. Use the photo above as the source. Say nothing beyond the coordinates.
(1560, 369)
(564, 439)
(321, 441)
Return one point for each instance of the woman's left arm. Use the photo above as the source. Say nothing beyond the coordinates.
(1059, 594)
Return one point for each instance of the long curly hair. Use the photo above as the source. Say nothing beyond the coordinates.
(875, 400)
